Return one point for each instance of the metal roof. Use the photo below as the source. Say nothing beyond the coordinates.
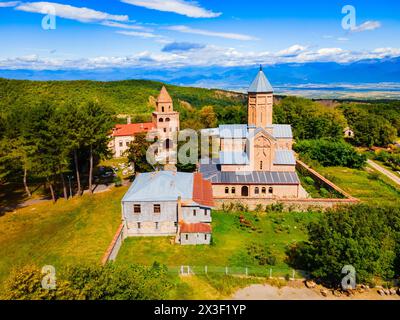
(284, 157)
(260, 83)
(161, 186)
(233, 131)
(210, 131)
(238, 157)
(211, 172)
(282, 131)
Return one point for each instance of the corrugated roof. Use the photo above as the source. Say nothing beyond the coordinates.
(195, 228)
(233, 157)
(202, 191)
(284, 157)
(260, 84)
(210, 131)
(233, 131)
(282, 131)
(161, 186)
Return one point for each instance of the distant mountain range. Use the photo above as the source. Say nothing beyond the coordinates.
(285, 75)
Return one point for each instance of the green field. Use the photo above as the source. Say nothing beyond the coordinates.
(272, 232)
(68, 232)
(367, 185)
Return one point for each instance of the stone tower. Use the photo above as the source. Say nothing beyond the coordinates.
(166, 122)
(260, 101)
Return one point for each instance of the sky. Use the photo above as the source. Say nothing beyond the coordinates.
(90, 34)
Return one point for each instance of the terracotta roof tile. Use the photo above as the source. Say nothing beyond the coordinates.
(195, 228)
(131, 129)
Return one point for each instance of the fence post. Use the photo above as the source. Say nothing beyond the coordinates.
(270, 272)
(181, 269)
(205, 269)
(226, 270)
(293, 274)
(247, 272)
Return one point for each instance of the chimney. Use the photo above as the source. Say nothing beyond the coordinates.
(128, 120)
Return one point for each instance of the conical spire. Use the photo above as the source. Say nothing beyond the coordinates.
(164, 96)
(260, 84)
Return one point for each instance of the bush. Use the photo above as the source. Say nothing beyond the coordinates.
(330, 153)
(92, 282)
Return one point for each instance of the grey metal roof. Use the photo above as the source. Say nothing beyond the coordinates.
(233, 157)
(211, 172)
(160, 186)
(260, 83)
(233, 131)
(284, 157)
(210, 131)
(282, 131)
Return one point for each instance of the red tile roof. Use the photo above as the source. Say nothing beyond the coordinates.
(131, 129)
(195, 228)
(202, 190)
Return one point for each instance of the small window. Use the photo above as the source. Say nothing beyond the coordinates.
(136, 208)
(186, 236)
(167, 119)
(138, 225)
(156, 224)
(205, 212)
(263, 190)
(120, 143)
(226, 190)
(194, 213)
(127, 143)
(233, 190)
(205, 236)
(162, 109)
(261, 165)
(165, 129)
(161, 120)
(256, 190)
(270, 190)
(157, 208)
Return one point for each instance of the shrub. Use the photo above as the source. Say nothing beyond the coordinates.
(330, 153)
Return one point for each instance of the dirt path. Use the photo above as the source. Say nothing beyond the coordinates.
(297, 291)
(384, 171)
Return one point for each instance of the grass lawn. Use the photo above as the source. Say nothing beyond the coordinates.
(231, 241)
(74, 231)
(367, 185)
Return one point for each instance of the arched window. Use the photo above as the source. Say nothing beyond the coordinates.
(245, 191)
(233, 190)
(162, 109)
(261, 164)
(161, 120)
(270, 190)
(168, 144)
(263, 190)
(256, 190)
(226, 190)
(167, 119)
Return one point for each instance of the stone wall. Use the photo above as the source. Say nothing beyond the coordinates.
(115, 245)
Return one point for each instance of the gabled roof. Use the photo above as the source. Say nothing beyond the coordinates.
(260, 84)
(284, 157)
(164, 95)
(233, 157)
(238, 131)
(282, 131)
(195, 228)
(168, 186)
(131, 129)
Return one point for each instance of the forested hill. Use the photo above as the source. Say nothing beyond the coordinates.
(133, 97)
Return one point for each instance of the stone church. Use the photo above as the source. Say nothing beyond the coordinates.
(255, 159)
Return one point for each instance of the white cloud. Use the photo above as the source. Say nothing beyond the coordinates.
(8, 4)
(208, 56)
(114, 24)
(291, 51)
(342, 39)
(139, 34)
(234, 36)
(191, 9)
(69, 12)
(367, 26)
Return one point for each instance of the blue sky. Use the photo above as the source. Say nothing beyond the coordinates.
(127, 33)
